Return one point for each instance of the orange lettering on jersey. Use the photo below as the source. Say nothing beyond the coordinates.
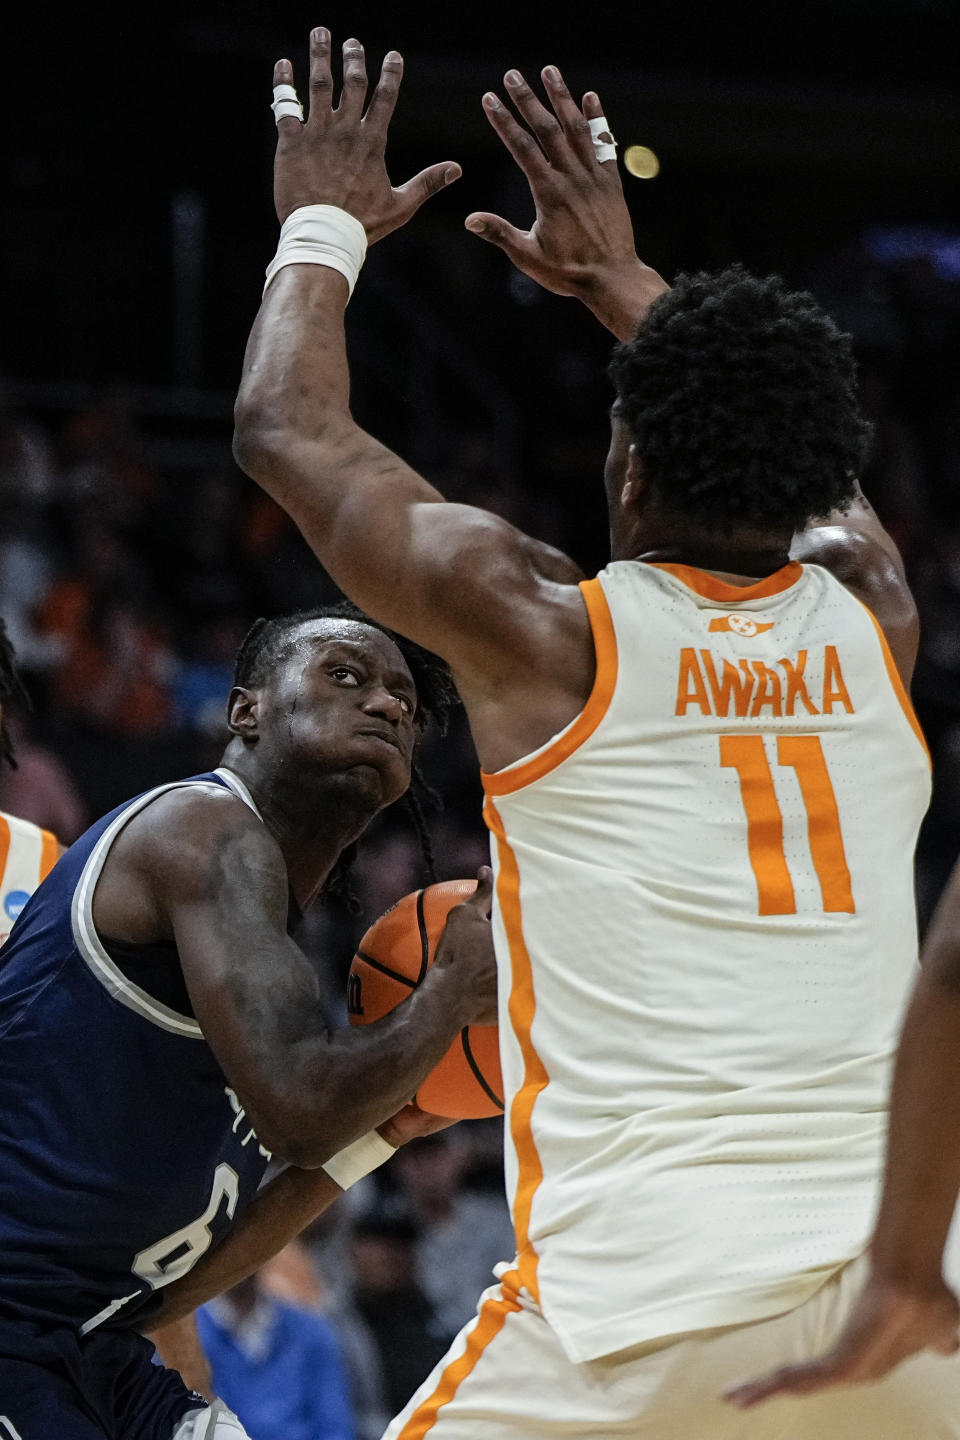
(768, 690)
(833, 686)
(796, 685)
(736, 683)
(690, 687)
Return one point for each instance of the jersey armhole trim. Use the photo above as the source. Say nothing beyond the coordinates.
(91, 947)
(504, 782)
(896, 680)
(713, 589)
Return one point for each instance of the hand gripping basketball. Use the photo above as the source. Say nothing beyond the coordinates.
(445, 924)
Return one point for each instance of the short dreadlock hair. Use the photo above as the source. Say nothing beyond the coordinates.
(741, 398)
(11, 686)
(267, 642)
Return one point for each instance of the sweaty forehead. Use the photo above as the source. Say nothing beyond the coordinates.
(333, 636)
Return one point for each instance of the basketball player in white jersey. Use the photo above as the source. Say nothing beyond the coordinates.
(27, 852)
(704, 781)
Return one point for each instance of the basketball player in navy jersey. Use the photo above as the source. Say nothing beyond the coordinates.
(162, 1035)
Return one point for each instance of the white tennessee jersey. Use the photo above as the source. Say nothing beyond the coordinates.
(706, 935)
(27, 855)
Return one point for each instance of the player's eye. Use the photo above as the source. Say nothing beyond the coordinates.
(406, 704)
(345, 674)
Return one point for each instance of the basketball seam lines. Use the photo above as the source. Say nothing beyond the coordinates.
(385, 970)
(424, 939)
(478, 1073)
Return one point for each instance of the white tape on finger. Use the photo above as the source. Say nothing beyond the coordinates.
(606, 149)
(286, 104)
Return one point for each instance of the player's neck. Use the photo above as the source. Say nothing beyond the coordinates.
(730, 565)
(312, 820)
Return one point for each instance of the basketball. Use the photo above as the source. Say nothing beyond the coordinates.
(391, 960)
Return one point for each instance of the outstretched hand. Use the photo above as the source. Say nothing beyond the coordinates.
(336, 156)
(888, 1324)
(581, 242)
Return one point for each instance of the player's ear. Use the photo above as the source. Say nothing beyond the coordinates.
(634, 479)
(243, 713)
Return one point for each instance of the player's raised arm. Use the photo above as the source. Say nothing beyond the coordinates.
(386, 536)
(219, 887)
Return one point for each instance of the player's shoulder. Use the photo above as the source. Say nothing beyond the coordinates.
(872, 573)
(189, 830)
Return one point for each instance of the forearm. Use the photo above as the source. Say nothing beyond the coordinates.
(280, 1212)
(309, 1097)
(296, 380)
(923, 1158)
(621, 298)
(361, 1076)
(178, 1346)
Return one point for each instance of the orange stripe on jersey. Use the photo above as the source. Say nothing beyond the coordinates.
(490, 1321)
(522, 1008)
(897, 682)
(713, 589)
(49, 853)
(502, 782)
(4, 845)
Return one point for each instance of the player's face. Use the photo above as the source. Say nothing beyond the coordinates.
(343, 700)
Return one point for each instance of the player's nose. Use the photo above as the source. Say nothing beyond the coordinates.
(380, 701)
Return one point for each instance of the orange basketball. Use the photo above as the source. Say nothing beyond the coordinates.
(391, 960)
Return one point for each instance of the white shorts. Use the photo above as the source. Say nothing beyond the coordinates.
(506, 1376)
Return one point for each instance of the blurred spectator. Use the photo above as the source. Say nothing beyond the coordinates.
(41, 788)
(385, 1310)
(462, 1233)
(277, 1366)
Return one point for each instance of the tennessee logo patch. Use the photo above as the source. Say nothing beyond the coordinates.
(741, 625)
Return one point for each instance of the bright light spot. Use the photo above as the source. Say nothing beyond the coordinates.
(641, 161)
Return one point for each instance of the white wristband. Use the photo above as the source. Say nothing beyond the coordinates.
(321, 235)
(352, 1163)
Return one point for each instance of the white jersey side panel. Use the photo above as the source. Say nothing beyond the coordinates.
(706, 934)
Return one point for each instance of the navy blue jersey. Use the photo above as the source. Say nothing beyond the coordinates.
(124, 1154)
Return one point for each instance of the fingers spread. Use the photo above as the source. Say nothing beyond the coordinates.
(283, 75)
(429, 182)
(518, 141)
(545, 126)
(381, 107)
(321, 80)
(575, 121)
(354, 79)
(497, 230)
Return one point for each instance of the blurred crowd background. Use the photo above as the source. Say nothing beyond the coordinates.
(133, 555)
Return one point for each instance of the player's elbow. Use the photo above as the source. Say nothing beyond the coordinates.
(305, 1133)
(256, 440)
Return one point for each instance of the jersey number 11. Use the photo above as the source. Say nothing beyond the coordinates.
(804, 754)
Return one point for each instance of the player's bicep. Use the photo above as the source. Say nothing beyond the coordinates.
(252, 990)
(431, 569)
